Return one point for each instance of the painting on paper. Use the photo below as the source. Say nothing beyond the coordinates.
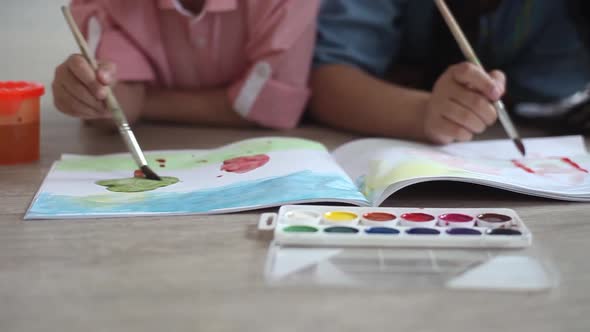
(249, 174)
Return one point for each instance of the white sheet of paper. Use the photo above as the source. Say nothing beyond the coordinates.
(354, 157)
(382, 166)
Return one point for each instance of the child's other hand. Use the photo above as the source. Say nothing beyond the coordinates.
(461, 103)
(80, 91)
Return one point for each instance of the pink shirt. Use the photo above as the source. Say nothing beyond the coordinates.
(259, 50)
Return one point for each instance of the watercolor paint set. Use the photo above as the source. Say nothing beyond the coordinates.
(342, 226)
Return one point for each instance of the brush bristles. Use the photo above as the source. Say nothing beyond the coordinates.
(149, 174)
(520, 146)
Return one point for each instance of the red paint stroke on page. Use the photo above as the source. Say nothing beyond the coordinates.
(574, 164)
(138, 174)
(244, 164)
(522, 166)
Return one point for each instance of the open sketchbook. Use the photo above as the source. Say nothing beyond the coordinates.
(272, 171)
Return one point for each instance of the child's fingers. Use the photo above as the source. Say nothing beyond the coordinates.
(68, 104)
(500, 79)
(62, 99)
(75, 88)
(473, 77)
(84, 110)
(107, 73)
(82, 70)
(464, 117)
(460, 105)
(478, 104)
(448, 131)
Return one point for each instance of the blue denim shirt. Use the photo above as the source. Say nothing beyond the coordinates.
(534, 42)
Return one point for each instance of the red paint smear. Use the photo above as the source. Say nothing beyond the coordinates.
(522, 166)
(379, 216)
(574, 165)
(418, 217)
(456, 217)
(161, 160)
(244, 164)
(138, 174)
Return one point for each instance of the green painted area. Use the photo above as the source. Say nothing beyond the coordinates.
(186, 159)
(134, 185)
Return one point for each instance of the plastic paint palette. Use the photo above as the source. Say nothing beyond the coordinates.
(313, 225)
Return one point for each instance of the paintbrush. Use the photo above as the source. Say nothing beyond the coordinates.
(470, 55)
(112, 103)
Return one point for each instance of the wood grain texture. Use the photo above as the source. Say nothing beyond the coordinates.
(204, 273)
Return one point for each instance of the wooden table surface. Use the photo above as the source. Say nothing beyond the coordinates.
(205, 273)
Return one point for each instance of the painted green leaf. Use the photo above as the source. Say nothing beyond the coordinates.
(133, 185)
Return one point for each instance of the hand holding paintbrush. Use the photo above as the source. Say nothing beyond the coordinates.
(470, 55)
(112, 103)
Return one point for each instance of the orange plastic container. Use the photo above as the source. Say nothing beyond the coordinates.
(19, 122)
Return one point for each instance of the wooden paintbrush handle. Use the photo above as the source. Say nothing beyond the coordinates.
(80, 40)
(466, 48)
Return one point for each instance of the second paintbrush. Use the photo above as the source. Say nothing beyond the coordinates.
(470, 55)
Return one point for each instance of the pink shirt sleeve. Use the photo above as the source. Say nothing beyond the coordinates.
(274, 91)
(114, 46)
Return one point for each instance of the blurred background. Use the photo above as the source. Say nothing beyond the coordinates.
(34, 39)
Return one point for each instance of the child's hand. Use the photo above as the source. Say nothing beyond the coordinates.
(80, 91)
(461, 103)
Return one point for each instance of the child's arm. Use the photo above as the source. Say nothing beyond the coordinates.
(280, 48)
(80, 92)
(348, 93)
(131, 97)
(457, 108)
(272, 92)
(206, 107)
(349, 98)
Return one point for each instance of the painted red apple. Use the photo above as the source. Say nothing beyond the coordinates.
(244, 164)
